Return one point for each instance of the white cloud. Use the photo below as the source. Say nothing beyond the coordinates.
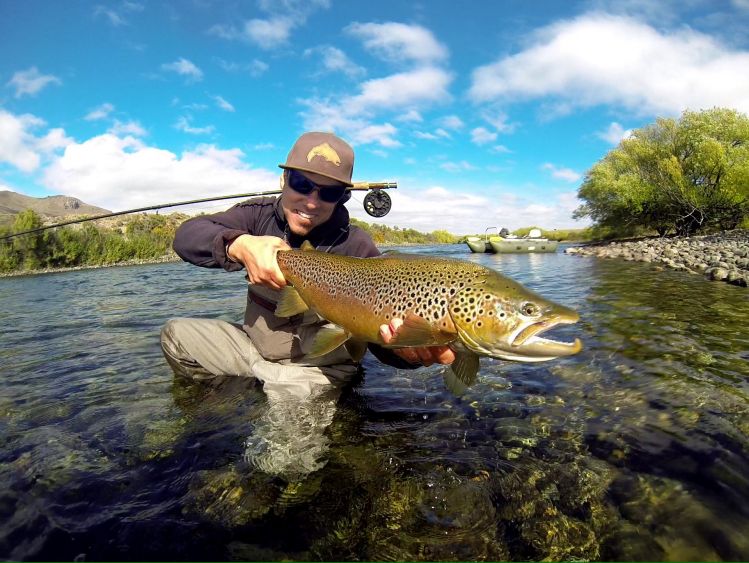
(116, 16)
(265, 33)
(129, 128)
(482, 136)
(99, 112)
(17, 141)
(411, 116)
(452, 122)
(439, 133)
(185, 68)
(184, 124)
(399, 42)
(20, 147)
(223, 104)
(352, 115)
(423, 208)
(110, 15)
(30, 82)
(55, 139)
(254, 68)
(498, 119)
(122, 173)
(333, 60)
(566, 174)
(461, 166)
(500, 149)
(603, 59)
(270, 33)
(381, 134)
(423, 85)
(274, 31)
(195, 106)
(614, 134)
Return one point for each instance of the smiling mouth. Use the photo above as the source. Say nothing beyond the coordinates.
(304, 215)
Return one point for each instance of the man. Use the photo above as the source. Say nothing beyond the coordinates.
(316, 174)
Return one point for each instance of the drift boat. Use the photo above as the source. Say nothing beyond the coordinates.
(534, 242)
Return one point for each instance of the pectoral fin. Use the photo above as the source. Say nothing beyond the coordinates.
(453, 384)
(356, 349)
(327, 340)
(415, 331)
(291, 303)
(462, 372)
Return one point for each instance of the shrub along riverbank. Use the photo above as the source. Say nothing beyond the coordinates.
(135, 239)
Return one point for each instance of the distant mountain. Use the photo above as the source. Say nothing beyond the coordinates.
(50, 206)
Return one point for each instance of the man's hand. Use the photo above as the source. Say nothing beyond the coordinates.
(258, 254)
(424, 355)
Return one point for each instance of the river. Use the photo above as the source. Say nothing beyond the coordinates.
(635, 449)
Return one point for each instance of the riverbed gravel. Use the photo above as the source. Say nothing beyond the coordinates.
(719, 257)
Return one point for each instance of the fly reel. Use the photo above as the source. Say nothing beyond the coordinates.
(377, 203)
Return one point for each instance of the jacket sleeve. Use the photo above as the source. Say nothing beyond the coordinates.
(202, 240)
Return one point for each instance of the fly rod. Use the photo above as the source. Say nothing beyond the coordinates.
(377, 203)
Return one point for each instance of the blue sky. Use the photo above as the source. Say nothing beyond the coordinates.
(486, 113)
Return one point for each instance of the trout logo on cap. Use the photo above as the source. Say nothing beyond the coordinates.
(325, 151)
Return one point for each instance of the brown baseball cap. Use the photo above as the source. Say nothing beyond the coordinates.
(323, 154)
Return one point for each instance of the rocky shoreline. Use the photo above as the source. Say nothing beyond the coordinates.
(719, 257)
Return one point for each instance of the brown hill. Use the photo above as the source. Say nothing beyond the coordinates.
(54, 206)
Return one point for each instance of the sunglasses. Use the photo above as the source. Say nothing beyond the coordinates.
(303, 185)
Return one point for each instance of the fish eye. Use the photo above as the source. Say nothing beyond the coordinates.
(530, 309)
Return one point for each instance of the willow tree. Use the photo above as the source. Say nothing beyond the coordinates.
(684, 175)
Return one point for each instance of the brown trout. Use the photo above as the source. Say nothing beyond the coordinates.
(473, 309)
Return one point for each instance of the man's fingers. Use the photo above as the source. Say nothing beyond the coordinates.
(417, 355)
(386, 333)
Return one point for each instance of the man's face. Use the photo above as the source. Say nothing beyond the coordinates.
(304, 212)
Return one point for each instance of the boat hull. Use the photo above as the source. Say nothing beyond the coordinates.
(479, 245)
(523, 245)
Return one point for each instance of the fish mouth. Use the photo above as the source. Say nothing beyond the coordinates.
(528, 343)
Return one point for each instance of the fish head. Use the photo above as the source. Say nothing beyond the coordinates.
(500, 318)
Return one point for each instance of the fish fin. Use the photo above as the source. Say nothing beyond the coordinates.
(356, 349)
(465, 367)
(327, 340)
(415, 331)
(452, 383)
(291, 303)
(307, 245)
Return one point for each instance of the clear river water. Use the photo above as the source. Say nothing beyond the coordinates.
(635, 449)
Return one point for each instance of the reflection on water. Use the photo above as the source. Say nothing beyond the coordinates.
(634, 449)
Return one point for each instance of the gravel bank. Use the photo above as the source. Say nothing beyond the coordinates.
(719, 257)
